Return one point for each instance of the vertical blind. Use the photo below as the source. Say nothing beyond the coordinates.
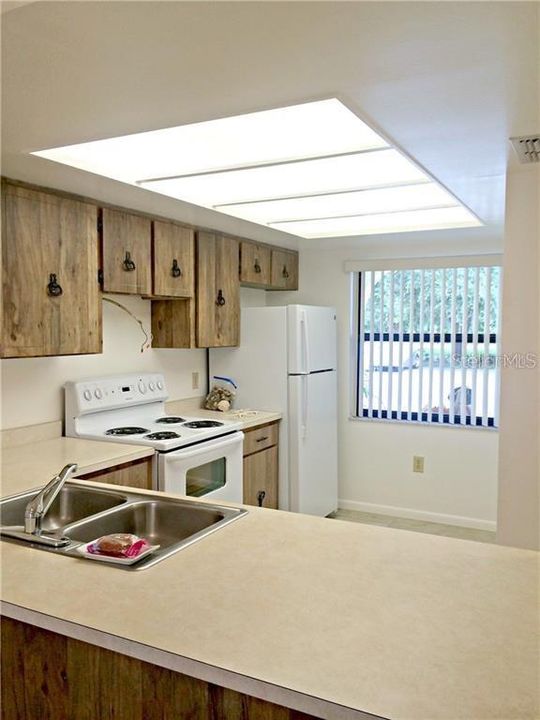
(428, 345)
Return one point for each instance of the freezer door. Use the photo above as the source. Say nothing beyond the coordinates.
(313, 469)
(312, 338)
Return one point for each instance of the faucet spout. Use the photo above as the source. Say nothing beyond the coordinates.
(38, 507)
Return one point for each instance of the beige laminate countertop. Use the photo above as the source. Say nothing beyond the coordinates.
(249, 418)
(334, 618)
(34, 464)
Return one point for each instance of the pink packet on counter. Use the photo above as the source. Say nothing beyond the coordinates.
(120, 545)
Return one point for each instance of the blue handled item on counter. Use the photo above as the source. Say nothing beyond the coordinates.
(221, 396)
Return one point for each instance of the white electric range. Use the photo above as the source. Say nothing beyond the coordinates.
(194, 456)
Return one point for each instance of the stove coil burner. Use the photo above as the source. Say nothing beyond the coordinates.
(170, 420)
(126, 431)
(199, 424)
(164, 435)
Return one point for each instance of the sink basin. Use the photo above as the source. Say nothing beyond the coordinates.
(160, 522)
(81, 514)
(72, 504)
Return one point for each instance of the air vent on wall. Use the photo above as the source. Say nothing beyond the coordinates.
(527, 148)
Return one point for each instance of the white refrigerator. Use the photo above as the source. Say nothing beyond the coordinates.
(287, 362)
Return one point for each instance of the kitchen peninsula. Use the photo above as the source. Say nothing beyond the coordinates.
(318, 616)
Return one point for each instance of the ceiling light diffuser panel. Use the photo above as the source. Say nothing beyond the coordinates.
(313, 170)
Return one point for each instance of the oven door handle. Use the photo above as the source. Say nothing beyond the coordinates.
(205, 447)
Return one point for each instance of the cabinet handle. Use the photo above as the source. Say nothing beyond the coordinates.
(128, 263)
(285, 272)
(53, 288)
(176, 270)
(220, 298)
(257, 266)
(260, 497)
(262, 439)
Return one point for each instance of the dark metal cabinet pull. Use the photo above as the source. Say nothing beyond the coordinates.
(260, 497)
(220, 298)
(285, 272)
(176, 270)
(128, 263)
(257, 266)
(262, 439)
(53, 288)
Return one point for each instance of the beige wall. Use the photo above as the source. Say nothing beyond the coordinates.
(519, 438)
(32, 387)
(459, 485)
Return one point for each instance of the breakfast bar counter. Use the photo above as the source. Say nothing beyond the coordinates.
(330, 618)
(33, 464)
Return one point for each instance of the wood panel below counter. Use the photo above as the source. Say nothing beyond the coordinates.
(136, 474)
(47, 676)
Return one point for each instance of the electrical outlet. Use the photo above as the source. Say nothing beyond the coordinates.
(418, 463)
(195, 381)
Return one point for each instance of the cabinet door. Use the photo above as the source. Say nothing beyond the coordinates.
(174, 257)
(254, 264)
(284, 270)
(51, 299)
(133, 474)
(261, 478)
(126, 242)
(173, 323)
(218, 291)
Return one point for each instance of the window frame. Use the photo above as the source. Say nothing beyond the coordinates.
(359, 336)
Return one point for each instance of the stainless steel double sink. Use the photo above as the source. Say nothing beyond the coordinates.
(83, 514)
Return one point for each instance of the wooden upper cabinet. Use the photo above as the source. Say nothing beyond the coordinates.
(174, 260)
(254, 264)
(218, 291)
(51, 300)
(284, 270)
(126, 246)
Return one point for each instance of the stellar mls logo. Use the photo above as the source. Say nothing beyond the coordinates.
(515, 361)
(519, 361)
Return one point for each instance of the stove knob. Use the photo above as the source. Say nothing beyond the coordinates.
(87, 395)
(151, 386)
(142, 387)
(98, 394)
(160, 385)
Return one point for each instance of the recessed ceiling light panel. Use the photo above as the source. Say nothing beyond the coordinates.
(306, 169)
(434, 219)
(326, 127)
(358, 202)
(306, 177)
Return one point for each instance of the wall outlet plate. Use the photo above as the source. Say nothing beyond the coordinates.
(418, 463)
(194, 380)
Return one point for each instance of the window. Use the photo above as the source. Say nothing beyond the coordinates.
(428, 345)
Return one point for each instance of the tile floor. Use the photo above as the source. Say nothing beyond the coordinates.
(416, 525)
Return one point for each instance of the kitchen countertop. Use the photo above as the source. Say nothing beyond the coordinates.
(34, 464)
(248, 418)
(330, 617)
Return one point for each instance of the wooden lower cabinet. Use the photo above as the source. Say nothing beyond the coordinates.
(261, 469)
(47, 676)
(136, 474)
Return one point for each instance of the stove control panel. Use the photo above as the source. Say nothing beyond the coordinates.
(108, 393)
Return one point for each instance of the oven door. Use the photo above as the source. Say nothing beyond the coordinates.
(211, 469)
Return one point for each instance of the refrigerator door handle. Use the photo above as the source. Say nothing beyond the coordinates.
(304, 390)
(305, 341)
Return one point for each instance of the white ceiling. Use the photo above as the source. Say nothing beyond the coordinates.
(448, 82)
